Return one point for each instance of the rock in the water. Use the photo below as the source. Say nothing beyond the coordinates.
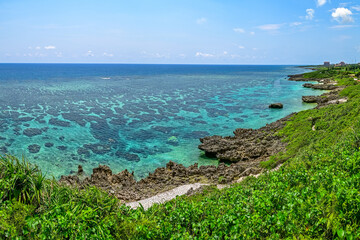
(49, 144)
(308, 85)
(34, 148)
(276, 105)
(80, 170)
(30, 132)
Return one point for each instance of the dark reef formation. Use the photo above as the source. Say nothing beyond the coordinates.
(34, 148)
(30, 132)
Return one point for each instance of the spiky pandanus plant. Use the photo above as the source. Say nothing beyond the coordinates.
(20, 180)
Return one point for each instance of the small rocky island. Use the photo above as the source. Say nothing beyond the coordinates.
(276, 105)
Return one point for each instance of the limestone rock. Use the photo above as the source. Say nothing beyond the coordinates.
(276, 105)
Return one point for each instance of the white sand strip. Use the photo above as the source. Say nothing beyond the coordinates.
(165, 196)
(181, 190)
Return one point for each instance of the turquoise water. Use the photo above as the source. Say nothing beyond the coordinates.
(135, 117)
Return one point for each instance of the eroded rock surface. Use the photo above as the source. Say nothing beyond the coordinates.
(246, 144)
(124, 186)
(276, 105)
(331, 97)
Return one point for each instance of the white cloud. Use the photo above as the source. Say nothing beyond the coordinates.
(154, 55)
(158, 55)
(270, 27)
(225, 52)
(37, 48)
(255, 49)
(201, 20)
(341, 26)
(356, 8)
(89, 53)
(294, 24)
(200, 54)
(310, 14)
(59, 54)
(50, 47)
(342, 15)
(239, 30)
(321, 2)
(252, 33)
(241, 47)
(105, 54)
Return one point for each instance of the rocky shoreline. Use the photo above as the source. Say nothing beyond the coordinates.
(245, 150)
(330, 97)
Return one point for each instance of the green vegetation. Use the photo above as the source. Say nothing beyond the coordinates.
(315, 194)
(322, 73)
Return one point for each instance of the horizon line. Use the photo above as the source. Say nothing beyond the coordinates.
(215, 64)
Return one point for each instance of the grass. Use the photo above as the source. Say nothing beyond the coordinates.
(315, 194)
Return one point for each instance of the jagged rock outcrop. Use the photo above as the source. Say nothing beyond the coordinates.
(320, 86)
(124, 186)
(247, 144)
(310, 99)
(326, 99)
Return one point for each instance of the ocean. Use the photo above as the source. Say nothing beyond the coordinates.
(133, 116)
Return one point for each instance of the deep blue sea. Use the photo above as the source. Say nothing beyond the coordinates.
(135, 117)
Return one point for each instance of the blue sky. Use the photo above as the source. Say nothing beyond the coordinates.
(180, 31)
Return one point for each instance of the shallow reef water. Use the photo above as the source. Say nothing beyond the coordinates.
(135, 117)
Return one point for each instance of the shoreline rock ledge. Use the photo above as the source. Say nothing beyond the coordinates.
(124, 186)
(246, 144)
